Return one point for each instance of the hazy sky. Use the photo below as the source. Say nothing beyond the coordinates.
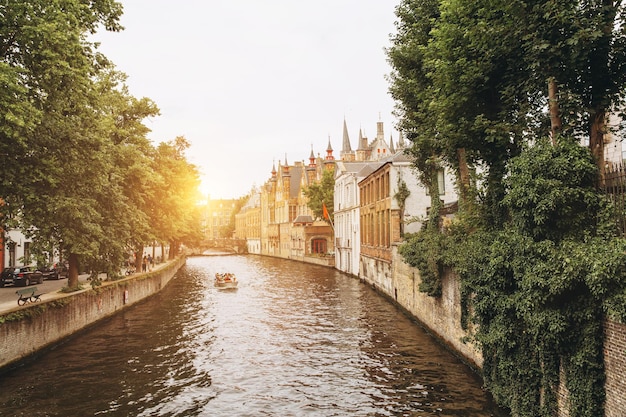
(250, 82)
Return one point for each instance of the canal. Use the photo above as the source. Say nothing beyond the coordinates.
(293, 340)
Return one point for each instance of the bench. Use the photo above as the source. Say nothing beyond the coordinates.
(27, 295)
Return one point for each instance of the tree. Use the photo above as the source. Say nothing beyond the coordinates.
(539, 263)
(175, 217)
(42, 50)
(321, 194)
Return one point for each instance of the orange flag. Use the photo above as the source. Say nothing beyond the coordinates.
(325, 211)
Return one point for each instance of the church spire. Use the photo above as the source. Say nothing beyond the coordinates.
(346, 139)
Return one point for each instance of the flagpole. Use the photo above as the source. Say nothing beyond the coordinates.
(327, 216)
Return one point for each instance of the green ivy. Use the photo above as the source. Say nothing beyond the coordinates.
(424, 251)
(535, 291)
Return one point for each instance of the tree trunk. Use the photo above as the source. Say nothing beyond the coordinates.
(596, 141)
(138, 258)
(435, 201)
(173, 249)
(556, 125)
(72, 271)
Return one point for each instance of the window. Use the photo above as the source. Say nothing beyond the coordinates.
(318, 245)
(442, 182)
(12, 253)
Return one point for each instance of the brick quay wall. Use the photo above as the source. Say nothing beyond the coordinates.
(36, 326)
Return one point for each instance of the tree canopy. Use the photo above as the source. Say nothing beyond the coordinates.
(321, 194)
(79, 174)
(504, 92)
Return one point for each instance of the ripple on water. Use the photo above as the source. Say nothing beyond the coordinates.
(292, 340)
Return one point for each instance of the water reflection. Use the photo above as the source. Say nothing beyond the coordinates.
(292, 340)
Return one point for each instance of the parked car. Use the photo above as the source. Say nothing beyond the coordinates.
(62, 270)
(24, 276)
(7, 276)
(49, 272)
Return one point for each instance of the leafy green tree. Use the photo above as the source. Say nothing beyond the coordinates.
(321, 194)
(487, 81)
(540, 287)
(413, 90)
(176, 216)
(43, 49)
(127, 211)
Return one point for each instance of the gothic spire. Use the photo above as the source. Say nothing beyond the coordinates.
(346, 138)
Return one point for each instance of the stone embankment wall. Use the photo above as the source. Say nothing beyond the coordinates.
(441, 316)
(37, 326)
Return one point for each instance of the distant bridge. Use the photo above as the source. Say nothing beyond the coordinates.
(219, 246)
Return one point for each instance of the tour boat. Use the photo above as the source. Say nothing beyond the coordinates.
(225, 280)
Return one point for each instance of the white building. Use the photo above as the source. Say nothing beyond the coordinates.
(17, 249)
(346, 213)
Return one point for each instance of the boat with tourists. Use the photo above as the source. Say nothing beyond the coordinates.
(226, 280)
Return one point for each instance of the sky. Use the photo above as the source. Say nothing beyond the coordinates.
(254, 83)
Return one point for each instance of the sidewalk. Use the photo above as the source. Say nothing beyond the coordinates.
(51, 290)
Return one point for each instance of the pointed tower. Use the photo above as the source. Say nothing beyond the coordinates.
(286, 177)
(379, 147)
(346, 152)
(311, 170)
(392, 150)
(312, 158)
(329, 152)
(364, 151)
(380, 131)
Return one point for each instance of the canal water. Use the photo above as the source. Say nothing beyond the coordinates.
(293, 340)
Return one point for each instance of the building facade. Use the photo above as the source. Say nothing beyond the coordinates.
(384, 218)
(217, 218)
(347, 212)
(248, 222)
